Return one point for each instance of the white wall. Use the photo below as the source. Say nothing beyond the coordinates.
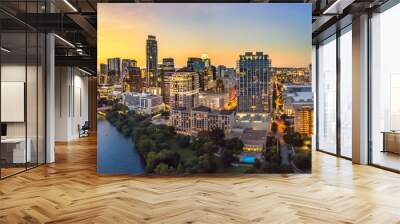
(71, 102)
(13, 73)
(33, 127)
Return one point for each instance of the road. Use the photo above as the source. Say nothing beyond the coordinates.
(287, 151)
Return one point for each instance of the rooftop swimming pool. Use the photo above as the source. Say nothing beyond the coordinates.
(248, 159)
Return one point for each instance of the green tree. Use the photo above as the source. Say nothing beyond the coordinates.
(274, 127)
(183, 141)
(168, 157)
(250, 170)
(272, 161)
(234, 144)
(161, 169)
(145, 145)
(207, 148)
(151, 161)
(231, 150)
(217, 136)
(192, 165)
(207, 164)
(271, 141)
(302, 159)
(257, 164)
(180, 168)
(272, 156)
(292, 137)
(171, 169)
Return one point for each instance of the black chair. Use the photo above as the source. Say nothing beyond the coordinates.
(84, 130)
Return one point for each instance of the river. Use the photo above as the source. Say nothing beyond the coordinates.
(115, 153)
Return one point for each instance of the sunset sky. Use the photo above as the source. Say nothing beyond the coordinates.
(223, 31)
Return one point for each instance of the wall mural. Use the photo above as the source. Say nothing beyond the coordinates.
(204, 88)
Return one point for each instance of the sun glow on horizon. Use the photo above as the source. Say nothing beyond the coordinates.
(221, 31)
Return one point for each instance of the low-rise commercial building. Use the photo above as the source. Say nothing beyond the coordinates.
(191, 122)
(215, 101)
(301, 106)
(143, 102)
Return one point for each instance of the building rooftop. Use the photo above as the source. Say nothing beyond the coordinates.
(206, 109)
(293, 88)
(142, 94)
(302, 97)
(202, 108)
(250, 136)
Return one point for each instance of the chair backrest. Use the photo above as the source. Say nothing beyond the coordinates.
(86, 125)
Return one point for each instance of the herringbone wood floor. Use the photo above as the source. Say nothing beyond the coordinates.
(70, 191)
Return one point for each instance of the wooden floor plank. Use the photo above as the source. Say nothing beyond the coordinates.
(70, 191)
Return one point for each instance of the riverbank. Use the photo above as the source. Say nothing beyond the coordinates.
(167, 152)
(116, 153)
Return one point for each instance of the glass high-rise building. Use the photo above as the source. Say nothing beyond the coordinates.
(253, 79)
(125, 64)
(168, 68)
(114, 65)
(184, 91)
(151, 61)
(195, 64)
(103, 69)
(114, 69)
(133, 79)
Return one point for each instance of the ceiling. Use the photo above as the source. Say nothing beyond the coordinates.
(75, 21)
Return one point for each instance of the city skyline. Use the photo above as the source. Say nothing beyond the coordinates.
(206, 31)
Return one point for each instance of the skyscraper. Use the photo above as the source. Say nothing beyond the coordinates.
(114, 70)
(133, 79)
(184, 91)
(151, 62)
(103, 69)
(103, 74)
(125, 64)
(221, 70)
(253, 79)
(206, 60)
(168, 68)
(195, 64)
(114, 65)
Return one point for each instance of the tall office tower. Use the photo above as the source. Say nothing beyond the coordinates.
(151, 62)
(253, 72)
(159, 74)
(168, 68)
(206, 60)
(184, 91)
(221, 70)
(102, 76)
(103, 69)
(213, 70)
(133, 80)
(114, 70)
(129, 63)
(125, 64)
(195, 64)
